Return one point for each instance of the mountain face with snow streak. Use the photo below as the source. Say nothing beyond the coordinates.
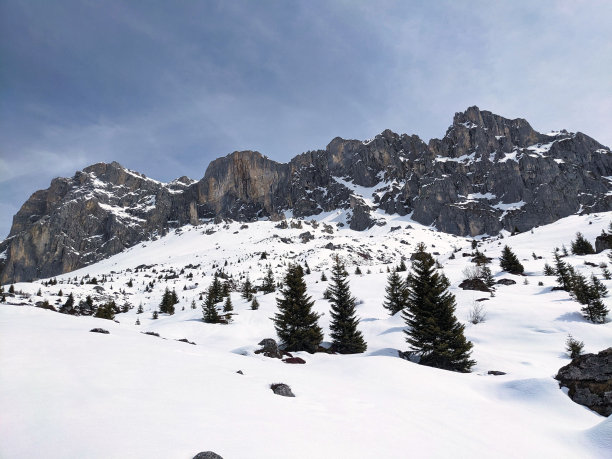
(486, 174)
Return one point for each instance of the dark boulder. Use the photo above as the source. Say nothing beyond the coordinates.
(306, 236)
(99, 330)
(496, 373)
(282, 389)
(603, 242)
(207, 455)
(294, 360)
(269, 348)
(506, 282)
(474, 284)
(589, 380)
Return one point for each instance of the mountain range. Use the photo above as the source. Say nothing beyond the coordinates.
(487, 174)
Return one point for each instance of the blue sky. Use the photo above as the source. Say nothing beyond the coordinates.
(165, 87)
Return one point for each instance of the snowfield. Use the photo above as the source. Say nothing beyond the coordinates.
(69, 393)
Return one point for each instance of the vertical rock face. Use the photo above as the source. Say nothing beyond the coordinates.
(486, 174)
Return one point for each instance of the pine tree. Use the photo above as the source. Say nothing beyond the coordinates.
(106, 311)
(269, 286)
(140, 310)
(166, 301)
(296, 323)
(564, 273)
(38, 293)
(247, 289)
(323, 277)
(395, 293)
(346, 339)
(509, 262)
(228, 306)
(605, 272)
(434, 333)
(357, 271)
(193, 304)
(137, 321)
(401, 267)
(216, 289)
(68, 306)
(11, 289)
(594, 309)
(155, 315)
(548, 270)
(254, 304)
(487, 276)
(581, 246)
(211, 316)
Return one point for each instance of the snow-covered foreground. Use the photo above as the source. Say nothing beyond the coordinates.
(69, 393)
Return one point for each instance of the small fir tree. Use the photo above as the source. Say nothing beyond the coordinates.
(211, 316)
(395, 294)
(605, 272)
(254, 304)
(323, 277)
(269, 285)
(295, 323)
(106, 311)
(564, 273)
(140, 309)
(228, 306)
(433, 333)
(68, 306)
(548, 270)
(573, 347)
(155, 314)
(247, 289)
(137, 321)
(487, 276)
(346, 338)
(357, 271)
(580, 246)
(509, 262)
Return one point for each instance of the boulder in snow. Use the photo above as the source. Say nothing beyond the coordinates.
(282, 389)
(589, 380)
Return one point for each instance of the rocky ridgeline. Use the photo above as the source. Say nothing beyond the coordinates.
(488, 173)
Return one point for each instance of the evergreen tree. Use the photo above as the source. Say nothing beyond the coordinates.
(395, 293)
(11, 289)
(346, 339)
(564, 273)
(155, 315)
(106, 311)
(296, 323)
(605, 272)
(323, 277)
(357, 271)
(216, 289)
(401, 267)
(140, 310)
(548, 270)
(193, 304)
(594, 309)
(166, 301)
(228, 306)
(434, 333)
(68, 306)
(487, 276)
(137, 321)
(38, 293)
(247, 289)
(509, 262)
(254, 304)
(580, 246)
(211, 316)
(269, 286)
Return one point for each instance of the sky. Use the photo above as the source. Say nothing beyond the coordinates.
(166, 87)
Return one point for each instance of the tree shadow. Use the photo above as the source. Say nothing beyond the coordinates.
(392, 330)
(571, 317)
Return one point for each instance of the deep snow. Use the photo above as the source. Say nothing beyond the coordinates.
(66, 392)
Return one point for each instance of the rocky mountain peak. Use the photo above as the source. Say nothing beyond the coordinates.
(486, 174)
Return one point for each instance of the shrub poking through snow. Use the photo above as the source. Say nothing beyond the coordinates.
(573, 347)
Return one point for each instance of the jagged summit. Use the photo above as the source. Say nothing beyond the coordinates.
(486, 174)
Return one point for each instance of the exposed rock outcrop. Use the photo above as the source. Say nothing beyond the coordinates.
(589, 380)
(486, 174)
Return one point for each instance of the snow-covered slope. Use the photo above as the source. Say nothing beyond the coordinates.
(66, 392)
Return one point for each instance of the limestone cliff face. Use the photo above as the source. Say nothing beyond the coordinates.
(486, 174)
